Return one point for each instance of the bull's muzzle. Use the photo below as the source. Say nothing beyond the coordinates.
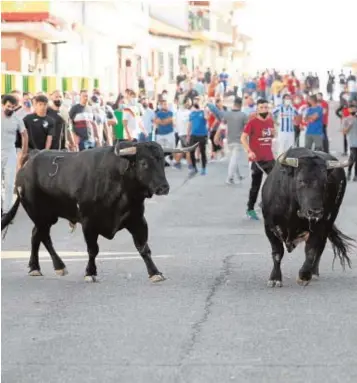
(311, 214)
(162, 189)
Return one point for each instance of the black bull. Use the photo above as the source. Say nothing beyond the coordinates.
(104, 189)
(301, 198)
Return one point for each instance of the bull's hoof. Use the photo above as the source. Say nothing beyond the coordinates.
(61, 272)
(272, 283)
(72, 227)
(157, 278)
(302, 282)
(35, 273)
(90, 278)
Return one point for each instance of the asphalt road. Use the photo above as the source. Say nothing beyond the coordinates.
(212, 320)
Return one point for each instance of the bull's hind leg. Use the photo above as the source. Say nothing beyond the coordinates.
(58, 264)
(139, 231)
(34, 263)
(42, 234)
(276, 278)
(91, 238)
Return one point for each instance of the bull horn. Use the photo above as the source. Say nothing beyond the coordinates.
(334, 164)
(125, 151)
(288, 161)
(183, 150)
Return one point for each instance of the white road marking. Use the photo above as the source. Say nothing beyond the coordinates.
(26, 254)
(249, 253)
(102, 258)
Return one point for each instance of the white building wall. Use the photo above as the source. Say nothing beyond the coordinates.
(174, 13)
(168, 46)
(107, 25)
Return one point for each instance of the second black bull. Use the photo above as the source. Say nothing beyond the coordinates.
(301, 198)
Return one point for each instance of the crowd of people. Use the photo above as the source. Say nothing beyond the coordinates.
(209, 109)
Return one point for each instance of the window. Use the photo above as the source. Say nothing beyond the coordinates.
(161, 63)
(171, 68)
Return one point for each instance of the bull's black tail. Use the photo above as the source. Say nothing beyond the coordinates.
(341, 245)
(10, 215)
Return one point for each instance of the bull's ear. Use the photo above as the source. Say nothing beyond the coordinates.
(337, 164)
(131, 151)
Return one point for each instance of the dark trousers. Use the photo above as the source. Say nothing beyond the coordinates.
(215, 147)
(353, 161)
(257, 176)
(345, 144)
(202, 141)
(297, 135)
(325, 142)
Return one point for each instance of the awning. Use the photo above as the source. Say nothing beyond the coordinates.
(42, 31)
(159, 28)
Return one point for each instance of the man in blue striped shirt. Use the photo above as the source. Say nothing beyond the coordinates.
(285, 114)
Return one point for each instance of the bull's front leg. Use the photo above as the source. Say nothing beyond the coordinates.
(138, 228)
(91, 238)
(276, 278)
(314, 248)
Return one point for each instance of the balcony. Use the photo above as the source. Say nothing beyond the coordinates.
(199, 21)
(34, 19)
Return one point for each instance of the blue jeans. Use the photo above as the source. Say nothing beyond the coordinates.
(353, 96)
(142, 137)
(85, 144)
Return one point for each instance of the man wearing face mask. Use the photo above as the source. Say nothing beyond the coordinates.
(257, 139)
(21, 112)
(342, 112)
(325, 107)
(249, 106)
(285, 114)
(59, 139)
(148, 118)
(10, 125)
(314, 120)
(350, 130)
(299, 104)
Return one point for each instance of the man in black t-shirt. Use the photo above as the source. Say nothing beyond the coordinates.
(59, 136)
(40, 127)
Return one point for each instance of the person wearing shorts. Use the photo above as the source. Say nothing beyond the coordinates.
(182, 123)
(165, 134)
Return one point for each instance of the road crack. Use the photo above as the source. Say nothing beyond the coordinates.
(198, 325)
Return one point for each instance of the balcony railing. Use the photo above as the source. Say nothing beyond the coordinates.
(198, 21)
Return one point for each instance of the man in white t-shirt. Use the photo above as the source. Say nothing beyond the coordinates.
(181, 126)
(352, 87)
(130, 123)
(219, 91)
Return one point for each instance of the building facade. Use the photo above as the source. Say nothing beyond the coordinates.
(70, 45)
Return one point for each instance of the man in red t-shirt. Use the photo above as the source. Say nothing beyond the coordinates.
(257, 140)
(324, 105)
